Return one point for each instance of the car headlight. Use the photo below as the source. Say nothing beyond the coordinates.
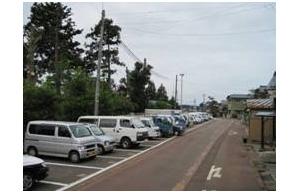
(106, 142)
(139, 134)
(80, 147)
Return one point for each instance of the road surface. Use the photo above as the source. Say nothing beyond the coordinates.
(211, 157)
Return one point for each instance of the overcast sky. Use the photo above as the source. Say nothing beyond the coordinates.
(221, 48)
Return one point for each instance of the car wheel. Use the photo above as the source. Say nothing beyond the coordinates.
(74, 157)
(125, 143)
(32, 151)
(27, 181)
(101, 150)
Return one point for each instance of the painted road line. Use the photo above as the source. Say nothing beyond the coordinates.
(129, 150)
(180, 186)
(54, 183)
(112, 166)
(152, 141)
(110, 157)
(71, 165)
(145, 145)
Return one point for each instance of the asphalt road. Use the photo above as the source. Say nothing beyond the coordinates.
(210, 157)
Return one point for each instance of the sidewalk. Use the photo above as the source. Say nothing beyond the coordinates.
(265, 163)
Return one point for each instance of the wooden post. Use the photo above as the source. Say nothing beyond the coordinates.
(262, 142)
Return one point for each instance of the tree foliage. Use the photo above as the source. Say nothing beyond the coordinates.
(136, 85)
(39, 102)
(55, 49)
(111, 40)
(161, 93)
(150, 91)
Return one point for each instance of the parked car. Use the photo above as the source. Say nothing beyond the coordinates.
(61, 139)
(164, 124)
(34, 169)
(105, 143)
(153, 131)
(178, 124)
(126, 130)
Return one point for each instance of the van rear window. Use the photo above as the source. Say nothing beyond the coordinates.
(42, 129)
(91, 121)
(108, 123)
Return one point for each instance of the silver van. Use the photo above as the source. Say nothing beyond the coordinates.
(105, 143)
(61, 139)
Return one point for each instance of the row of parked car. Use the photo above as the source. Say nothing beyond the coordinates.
(93, 135)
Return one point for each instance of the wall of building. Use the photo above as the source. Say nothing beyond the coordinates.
(255, 129)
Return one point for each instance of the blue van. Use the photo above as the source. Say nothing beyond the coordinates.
(164, 124)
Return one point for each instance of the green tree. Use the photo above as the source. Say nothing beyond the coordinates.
(78, 98)
(150, 91)
(111, 40)
(161, 93)
(29, 48)
(56, 50)
(173, 103)
(136, 85)
(113, 103)
(39, 102)
(213, 106)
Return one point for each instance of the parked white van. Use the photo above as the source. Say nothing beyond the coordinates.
(153, 131)
(60, 139)
(126, 130)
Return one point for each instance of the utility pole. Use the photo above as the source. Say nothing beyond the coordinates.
(176, 91)
(181, 75)
(145, 62)
(96, 109)
(203, 102)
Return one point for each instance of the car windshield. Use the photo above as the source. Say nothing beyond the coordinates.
(146, 123)
(97, 131)
(151, 123)
(80, 131)
(137, 123)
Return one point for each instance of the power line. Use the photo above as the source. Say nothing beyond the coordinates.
(223, 12)
(130, 52)
(207, 34)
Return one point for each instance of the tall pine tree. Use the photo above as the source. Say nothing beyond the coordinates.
(55, 51)
(111, 40)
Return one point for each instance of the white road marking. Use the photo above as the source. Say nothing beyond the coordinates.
(110, 157)
(232, 133)
(71, 165)
(152, 141)
(145, 145)
(112, 166)
(129, 150)
(214, 172)
(82, 175)
(54, 183)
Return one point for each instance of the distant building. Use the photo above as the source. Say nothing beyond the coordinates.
(237, 104)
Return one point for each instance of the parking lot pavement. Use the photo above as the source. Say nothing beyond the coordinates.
(62, 172)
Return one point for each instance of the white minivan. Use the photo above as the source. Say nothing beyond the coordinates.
(127, 130)
(153, 131)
